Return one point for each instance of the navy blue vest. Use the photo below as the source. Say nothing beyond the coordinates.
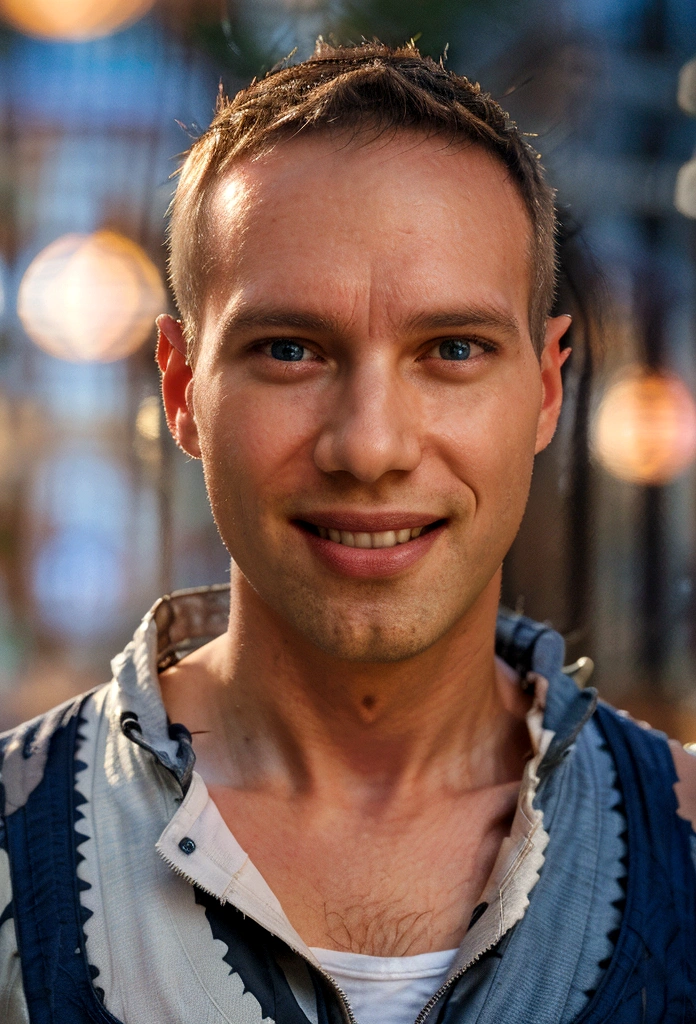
(650, 979)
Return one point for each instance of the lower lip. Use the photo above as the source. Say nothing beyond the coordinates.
(371, 563)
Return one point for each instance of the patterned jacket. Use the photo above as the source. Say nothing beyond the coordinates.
(124, 897)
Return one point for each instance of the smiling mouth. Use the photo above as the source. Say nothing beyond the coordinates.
(361, 539)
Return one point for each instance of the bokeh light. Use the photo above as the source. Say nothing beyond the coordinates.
(685, 189)
(645, 428)
(81, 510)
(686, 92)
(90, 297)
(147, 422)
(148, 427)
(8, 440)
(72, 19)
(68, 583)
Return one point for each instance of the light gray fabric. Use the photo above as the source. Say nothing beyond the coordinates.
(148, 937)
(25, 757)
(13, 1006)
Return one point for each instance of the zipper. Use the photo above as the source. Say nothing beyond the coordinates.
(434, 999)
(343, 998)
(337, 988)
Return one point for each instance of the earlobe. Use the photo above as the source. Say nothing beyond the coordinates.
(177, 384)
(552, 360)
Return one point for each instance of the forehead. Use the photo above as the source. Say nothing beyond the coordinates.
(389, 224)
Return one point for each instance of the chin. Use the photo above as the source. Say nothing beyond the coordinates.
(373, 646)
(384, 622)
(367, 637)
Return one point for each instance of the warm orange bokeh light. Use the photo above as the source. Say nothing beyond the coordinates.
(90, 297)
(72, 19)
(645, 428)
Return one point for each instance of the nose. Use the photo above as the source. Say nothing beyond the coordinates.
(372, 427)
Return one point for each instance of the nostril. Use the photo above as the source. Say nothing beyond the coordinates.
(367, 452)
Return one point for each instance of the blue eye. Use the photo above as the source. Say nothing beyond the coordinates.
(455, 348)
(288, 351)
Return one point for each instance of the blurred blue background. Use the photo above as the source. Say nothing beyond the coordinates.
(99, 514)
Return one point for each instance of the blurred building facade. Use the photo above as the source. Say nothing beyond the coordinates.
(99, 514)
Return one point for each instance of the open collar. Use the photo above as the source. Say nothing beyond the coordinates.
(197, 843)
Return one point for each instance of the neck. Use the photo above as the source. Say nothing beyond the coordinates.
(277, 711)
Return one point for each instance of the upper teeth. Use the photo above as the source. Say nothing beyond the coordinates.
(385, 539)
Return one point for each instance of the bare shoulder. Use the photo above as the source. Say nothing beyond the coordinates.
(685, 765)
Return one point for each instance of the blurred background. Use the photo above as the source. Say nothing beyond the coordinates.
(100, 515)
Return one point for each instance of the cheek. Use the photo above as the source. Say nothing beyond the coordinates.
(489, 440)
(252, 441)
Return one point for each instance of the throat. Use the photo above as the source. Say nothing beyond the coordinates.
(368, 706)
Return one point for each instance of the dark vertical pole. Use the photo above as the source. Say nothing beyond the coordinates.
(654, 587)
(651, 309)
(581, 507)
(579, 292)
(654, 548)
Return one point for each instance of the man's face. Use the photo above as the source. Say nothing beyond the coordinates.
(365, 373)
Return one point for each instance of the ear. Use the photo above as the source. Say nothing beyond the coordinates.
(177, 384)
(552, 359)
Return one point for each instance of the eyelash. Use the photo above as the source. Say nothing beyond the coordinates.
(263, 348)
(487, 347)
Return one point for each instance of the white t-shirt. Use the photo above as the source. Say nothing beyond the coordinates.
(387, 989)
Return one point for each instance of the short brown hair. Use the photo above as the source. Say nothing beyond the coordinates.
(363, 88)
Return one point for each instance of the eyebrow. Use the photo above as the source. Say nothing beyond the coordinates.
(262, 317)
(473, 316)
(265, 317)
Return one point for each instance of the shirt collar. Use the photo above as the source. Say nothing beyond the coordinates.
(182, 622)
(197, 843)
(535, 650)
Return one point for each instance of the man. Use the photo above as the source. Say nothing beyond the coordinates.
(387, 820)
